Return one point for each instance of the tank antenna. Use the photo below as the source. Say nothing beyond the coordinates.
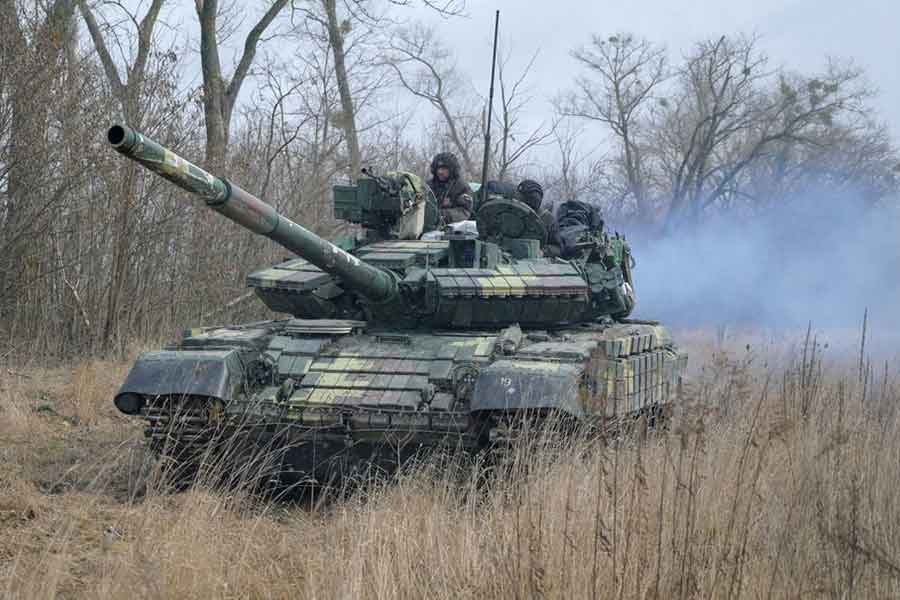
(487, 126)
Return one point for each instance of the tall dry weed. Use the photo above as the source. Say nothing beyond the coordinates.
(772, 480)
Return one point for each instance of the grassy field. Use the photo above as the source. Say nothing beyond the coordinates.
(780, 477)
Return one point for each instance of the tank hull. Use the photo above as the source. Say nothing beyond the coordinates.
(327, 399)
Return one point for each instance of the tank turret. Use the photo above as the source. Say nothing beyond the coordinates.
(395, 279)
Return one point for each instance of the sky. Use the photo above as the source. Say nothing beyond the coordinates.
(798, 34)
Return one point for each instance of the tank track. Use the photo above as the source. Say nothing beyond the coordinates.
(178, 428)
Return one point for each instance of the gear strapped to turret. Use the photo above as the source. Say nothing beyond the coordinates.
(577, 223)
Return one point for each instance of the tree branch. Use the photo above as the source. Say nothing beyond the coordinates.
(250, 44)
(109, 66)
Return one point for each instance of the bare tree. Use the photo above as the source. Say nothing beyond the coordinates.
(624, 73)
(426, 69)
(126, 90)
(276, 125)
(725, 117)
(565, 182)
(852, 157)
(338, 20)
(583, 174)
(446, 8)
(220, 94)
(349, 38)
(34, 48)
(30, 63)
(348, 112)
(514, 141)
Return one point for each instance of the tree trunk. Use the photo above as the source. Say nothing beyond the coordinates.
(127, 91)
(14, 47)
(348, 118)
(218, 95)
(214, 100)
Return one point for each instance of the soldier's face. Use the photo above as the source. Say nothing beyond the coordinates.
(443, 173)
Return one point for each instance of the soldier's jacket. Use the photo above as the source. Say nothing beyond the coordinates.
(453, 198)
(453, 195)
(552, 227)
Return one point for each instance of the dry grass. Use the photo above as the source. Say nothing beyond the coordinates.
(778, 480)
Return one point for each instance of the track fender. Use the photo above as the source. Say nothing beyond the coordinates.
(211, 373)
(509, 385)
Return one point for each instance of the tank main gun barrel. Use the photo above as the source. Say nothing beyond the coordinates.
(250, 212)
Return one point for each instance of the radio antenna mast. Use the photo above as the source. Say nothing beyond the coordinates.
(487, 127)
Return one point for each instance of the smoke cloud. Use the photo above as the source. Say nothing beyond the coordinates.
(820, 259)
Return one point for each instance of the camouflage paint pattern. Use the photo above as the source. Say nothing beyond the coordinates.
(392, 350)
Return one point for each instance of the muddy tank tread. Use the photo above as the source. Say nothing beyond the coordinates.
(178, 428)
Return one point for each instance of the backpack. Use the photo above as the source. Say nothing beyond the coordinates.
(578, 222)
(495, 189)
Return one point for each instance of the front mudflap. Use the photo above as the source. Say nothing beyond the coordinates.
(524, 385)
(210, 373)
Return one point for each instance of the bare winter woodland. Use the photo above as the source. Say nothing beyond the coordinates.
(95, 253)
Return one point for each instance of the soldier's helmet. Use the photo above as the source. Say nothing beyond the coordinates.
(445, 159)
(531, 193)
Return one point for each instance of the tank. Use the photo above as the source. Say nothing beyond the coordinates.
(395, 343)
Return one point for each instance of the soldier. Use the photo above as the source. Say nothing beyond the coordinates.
(532, 194)
(451, 193)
